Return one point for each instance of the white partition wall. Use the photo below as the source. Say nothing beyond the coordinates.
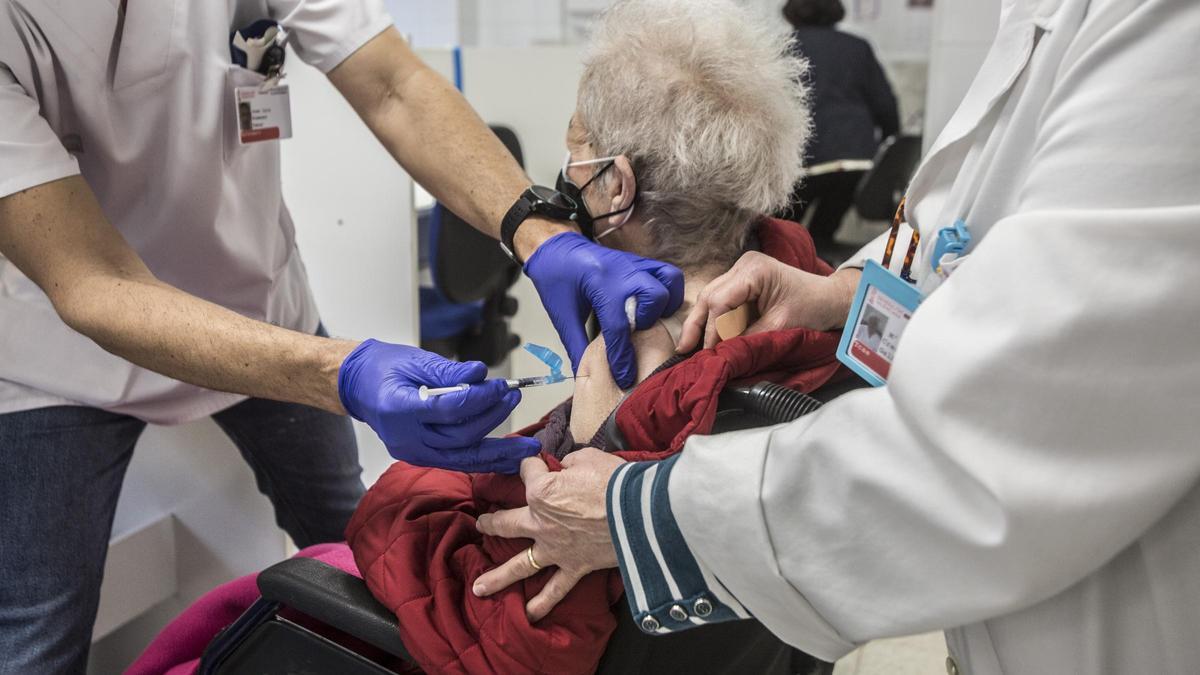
(962, 34)
(428, 23)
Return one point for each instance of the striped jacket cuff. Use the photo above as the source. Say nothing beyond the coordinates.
(668, 589)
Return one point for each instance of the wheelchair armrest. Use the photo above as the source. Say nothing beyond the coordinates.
(335, 598)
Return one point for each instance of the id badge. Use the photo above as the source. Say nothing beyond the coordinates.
(263, 113)
(883, 306)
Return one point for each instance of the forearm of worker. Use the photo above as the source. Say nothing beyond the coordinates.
(437, 137)
(1013, 452)
(57, 235)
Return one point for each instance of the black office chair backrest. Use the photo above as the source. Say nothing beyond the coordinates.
(878, 195)
(468, 266)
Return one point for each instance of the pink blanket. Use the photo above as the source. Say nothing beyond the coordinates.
(177, 649)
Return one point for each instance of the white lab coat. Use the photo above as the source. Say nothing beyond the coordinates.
(1029, 479)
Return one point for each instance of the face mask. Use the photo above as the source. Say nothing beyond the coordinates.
(586, 221)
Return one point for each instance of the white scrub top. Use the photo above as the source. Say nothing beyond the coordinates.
(1029, 478)
(142, 107)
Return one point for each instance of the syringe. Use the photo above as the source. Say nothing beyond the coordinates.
(427, 393)
(547, 356)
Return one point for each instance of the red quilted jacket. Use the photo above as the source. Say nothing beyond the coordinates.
(414, 536)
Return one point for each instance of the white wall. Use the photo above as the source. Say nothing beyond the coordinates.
(962, 34)
(428, 23)
(897, 30)
(519, 23)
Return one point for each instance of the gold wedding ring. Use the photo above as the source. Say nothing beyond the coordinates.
(532, 560)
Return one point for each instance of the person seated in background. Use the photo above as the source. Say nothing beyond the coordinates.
(853, 110)
(690, 123)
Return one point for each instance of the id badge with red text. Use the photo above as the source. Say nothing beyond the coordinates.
(263, 113)
(883, 306)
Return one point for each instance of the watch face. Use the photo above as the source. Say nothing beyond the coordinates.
(554, 198)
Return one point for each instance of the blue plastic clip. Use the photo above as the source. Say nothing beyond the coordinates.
(954, 240)
(548, 357)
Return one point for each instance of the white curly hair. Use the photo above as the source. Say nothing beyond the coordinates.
(706, 99)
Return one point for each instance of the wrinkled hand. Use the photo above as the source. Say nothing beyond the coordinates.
(786, 297)
(379, 382)
(568, 521)
(575, 277)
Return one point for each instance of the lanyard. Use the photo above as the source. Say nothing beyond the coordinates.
(906, 270)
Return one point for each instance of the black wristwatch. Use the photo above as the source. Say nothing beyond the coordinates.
(537, 199)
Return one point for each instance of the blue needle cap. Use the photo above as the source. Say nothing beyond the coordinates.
(548, 357)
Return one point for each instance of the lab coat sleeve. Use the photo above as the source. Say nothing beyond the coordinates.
(665, 585)
(325, 32)
(30, 152)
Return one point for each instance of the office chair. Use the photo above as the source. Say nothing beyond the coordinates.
(879, 193)
(471, 279)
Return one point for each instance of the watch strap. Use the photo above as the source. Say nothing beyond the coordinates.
(517, 214)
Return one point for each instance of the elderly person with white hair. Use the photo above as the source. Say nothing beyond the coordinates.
(679, 151)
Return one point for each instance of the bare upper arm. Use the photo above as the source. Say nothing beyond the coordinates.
(56, 235)
(596, 392)
(371, 77)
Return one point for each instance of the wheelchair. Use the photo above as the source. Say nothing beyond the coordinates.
(313, 618)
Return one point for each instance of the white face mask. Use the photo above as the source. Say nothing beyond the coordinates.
(575, 192)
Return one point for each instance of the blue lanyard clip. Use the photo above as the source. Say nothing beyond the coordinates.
(953, 240)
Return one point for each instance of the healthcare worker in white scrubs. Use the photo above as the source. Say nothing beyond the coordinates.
(1028, 480)
(149, 273)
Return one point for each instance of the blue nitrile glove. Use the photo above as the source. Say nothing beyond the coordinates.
(379, 382)
(575, 276)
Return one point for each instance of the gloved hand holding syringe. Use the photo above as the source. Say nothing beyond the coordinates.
(543, 354)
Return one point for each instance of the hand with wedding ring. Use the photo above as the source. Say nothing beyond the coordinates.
(567, 520)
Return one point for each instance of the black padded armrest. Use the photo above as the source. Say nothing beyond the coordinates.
(335, 598)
